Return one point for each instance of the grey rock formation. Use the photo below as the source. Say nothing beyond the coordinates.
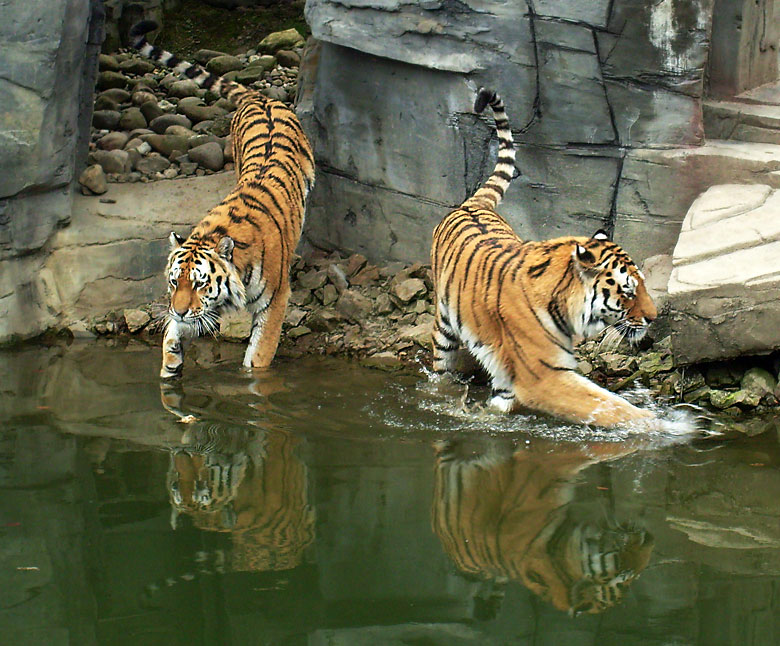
(724, 284)
(585, 83)
(46, 78)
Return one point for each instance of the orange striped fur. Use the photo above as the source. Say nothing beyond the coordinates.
(239, 255)
(517, 306)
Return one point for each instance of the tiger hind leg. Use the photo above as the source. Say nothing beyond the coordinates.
(445, 342)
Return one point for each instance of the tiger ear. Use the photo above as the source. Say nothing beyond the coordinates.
(225, 248)
(584, 257)
(601, 235)
(176, 240)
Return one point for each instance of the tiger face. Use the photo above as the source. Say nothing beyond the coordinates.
(615, 292)
(202, 283)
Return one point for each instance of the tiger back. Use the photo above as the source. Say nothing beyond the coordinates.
(502, 514)
(239, 254)
(517, 306)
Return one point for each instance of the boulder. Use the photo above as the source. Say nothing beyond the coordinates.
(220, 65)
(94, 179)
(161, 123)
(725, 284)
(208, 155)
(287, 39)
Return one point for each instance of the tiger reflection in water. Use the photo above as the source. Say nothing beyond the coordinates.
(502, 514)
(247, 482)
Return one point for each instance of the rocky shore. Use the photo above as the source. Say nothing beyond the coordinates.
(149, 124)
(383, 317)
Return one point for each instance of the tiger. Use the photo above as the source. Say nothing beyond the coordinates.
(517, 306)
(239, 254)
(250, 484)
(502, 513)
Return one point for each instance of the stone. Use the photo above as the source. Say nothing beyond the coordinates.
(180, 131)
(723, 399)
(166, 144)
(208, 155)
(151, 110)
(113, 141)
(183, 88)
(139, 98)
(759, 382)
(338, 277)
(419, 334)
(657, 270)
(136, 66)
(203, 56)
(160, 124)
(136, 320)
(112, 161)
(287, 39)
(742, 121)
(383, 361)
(298, 331)
(106, 119)
(408, 290)
(117, 95)
(131, 119)
(198, 113)
(154, 163)
(725, 283)
(220, 65)
(295, 316)
(94, 178)
(106, 103)
(325, 320)
(107, 62)
(276, 93)
(313, 279)
(383, 305)
(355, 263)
(288, 58)
(369, 274)
(329, 295)
(353, 305)
(111, 79)
(235, 326)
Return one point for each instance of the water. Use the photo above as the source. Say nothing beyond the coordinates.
(324, 503)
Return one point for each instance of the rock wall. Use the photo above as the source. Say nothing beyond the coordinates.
(47, 76)
(599, 93)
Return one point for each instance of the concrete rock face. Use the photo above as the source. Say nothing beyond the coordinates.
(46, 82)
(724, 286)
(583, 82)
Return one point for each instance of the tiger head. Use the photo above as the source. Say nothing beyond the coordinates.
(202, 282)
(615, 293)
(205, 484)
(601, 565)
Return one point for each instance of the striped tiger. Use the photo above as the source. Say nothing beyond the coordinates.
(503, 514)
(250, 484)
(517, 306)
(239, 255)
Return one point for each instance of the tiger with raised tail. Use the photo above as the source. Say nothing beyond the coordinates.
(239, 254)
(518, 305)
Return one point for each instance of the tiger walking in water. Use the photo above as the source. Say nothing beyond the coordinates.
(239, 255)
(517, 305)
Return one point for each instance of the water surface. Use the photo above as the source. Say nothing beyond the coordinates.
(325, 503)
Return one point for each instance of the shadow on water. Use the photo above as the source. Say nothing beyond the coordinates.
(322, 502)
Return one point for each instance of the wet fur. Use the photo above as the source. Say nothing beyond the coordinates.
(239, 255)
(517, 305)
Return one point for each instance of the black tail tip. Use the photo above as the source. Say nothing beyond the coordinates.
(142, 27)
(484, 96)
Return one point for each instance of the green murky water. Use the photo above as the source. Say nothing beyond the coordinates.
(324, 503)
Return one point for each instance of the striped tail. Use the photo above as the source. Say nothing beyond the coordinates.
(492, 191)
(229, 89)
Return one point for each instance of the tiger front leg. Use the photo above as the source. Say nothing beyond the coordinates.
(266, 330)
(172, 351)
